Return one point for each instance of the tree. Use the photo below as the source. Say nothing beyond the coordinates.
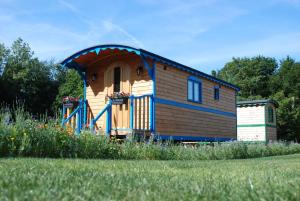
(251, 75)
(70, 85)
(259, 77)
(27, 79)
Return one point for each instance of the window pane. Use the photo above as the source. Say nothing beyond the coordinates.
(190, 90)
(196, 92)
(216, 94)
(271, 115)
(117, 79)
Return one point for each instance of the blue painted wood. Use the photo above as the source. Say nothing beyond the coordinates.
(92, 124)
(193, 107)
(151, 113)
(153, 124)
(71, 115)
(192, 138)
(101, 112)
(146, 64)
(84, 101)
(97, 49)
(78, 123)
(63, 116)
(194, 78)
(108, 121)
(107, 109)
(131, 111)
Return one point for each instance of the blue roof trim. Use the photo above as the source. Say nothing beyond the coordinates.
(192, 138)
(97, 49)
(191, 77)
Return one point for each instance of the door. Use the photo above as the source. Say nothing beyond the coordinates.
(118, 80)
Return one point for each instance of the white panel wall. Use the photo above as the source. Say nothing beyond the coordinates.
(251, 133)
(251, 115)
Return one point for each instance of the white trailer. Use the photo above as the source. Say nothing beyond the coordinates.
(256, 120)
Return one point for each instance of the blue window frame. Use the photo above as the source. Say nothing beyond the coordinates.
(217, 93)
(194, 89)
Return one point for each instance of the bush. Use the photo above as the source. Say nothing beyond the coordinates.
(20, 135)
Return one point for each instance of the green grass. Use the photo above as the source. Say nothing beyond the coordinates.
(270, 178)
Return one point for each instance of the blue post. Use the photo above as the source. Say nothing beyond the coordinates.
(84, 102)
(131, 112)
(92, 124)
(63, 116)
(108, 121)
(80, 116)
(151, 113)
(154, 95)
(78, 122)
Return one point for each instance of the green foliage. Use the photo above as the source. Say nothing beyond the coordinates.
(26, 79)
(45, 138)
(262, 77)
(70, 85)
(40, 86)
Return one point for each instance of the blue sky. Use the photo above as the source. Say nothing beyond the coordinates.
(204, 34)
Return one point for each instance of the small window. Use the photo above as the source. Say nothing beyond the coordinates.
(117, 79)
(217, 93)
(190, 90)
(194, 89)
(270, 115)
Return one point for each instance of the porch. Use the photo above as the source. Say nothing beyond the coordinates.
(141, 118)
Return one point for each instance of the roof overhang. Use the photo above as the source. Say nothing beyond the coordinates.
(251, 103)
(81, 58)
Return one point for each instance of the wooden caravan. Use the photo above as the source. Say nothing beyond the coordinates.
(132, 90)
(256, 120)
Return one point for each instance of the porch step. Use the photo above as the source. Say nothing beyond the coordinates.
(138, 134)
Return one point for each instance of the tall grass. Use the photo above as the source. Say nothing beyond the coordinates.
(22, 136)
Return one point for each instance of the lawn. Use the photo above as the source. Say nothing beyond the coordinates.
(270, 178)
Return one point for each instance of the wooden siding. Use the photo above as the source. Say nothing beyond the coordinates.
(251, 133)
(271, 134)
(97, 90)
(251, 115)
(171, 120)
(171, 84)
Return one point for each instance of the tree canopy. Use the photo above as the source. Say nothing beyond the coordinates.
(264, 77)
(36, 84)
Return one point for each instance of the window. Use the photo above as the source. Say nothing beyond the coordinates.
(270, 115)
(217, 93)
(194, 89)
(117, 79)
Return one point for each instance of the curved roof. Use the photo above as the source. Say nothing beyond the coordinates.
(69, 61)
(256, 102)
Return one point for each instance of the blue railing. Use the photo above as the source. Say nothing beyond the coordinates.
(141, 115)
(106, 109)
(141, 112)
(76, 115)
